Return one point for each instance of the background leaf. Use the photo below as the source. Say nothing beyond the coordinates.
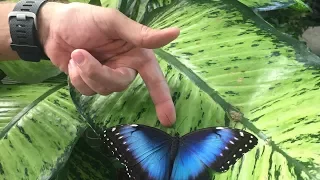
(95, 2)
(268, 5)
(136, 9)
(2, 75)
(229, 67)
(29, 72)
(85, 163)
(15, 96)
(110, 3)
(43, 129)
(82, 1)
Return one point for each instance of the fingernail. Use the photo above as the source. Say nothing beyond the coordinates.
(78, 58)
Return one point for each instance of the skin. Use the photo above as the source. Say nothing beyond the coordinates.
(102, 55)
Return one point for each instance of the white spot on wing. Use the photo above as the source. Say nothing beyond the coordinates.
(221, 154)
(226, 148)
(240, 150)
(128, 149)
(251, 137)
(231, 142)
(120, 137)
(117, 134)
(134, 125)
(220, 128)
(124, 142)
(250, 141)
(113, 129)
(111, 143)
(236, 138)
(245, 145)
(241, 134)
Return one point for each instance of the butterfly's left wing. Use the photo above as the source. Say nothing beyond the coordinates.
(143, 150)
(217, 148)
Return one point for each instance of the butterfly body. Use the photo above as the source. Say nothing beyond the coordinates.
(151, 154)
(174, 148)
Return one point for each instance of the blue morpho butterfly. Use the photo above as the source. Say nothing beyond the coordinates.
(149, 153)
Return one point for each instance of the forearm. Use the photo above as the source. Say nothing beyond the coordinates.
(5, 50)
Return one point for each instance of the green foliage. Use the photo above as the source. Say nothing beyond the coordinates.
(29, 72)
(85, 163)
(292, 22)
(43, 128)
(110, 3)
(229, 67)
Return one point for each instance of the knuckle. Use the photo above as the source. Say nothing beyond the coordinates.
(143, 34)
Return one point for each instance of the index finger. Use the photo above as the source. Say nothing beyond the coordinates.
(158, 88)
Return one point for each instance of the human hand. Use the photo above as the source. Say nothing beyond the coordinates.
(107, 50)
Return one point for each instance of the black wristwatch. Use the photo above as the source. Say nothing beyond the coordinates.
(24, 31)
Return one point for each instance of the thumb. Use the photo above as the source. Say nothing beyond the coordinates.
(139, 34)
(101, 78)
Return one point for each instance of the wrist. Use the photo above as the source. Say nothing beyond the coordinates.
(44, 21)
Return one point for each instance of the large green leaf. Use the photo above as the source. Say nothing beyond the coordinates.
(82, 1)
(2, 75)
(29, 72)
(85, 163)
(227, 62)
(13, 98)
(110, 3)
(136, 9)
(41, 126)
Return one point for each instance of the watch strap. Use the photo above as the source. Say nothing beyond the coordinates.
(24, 31)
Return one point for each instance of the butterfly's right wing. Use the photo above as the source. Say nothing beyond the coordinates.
(142, 149)
(217, 148)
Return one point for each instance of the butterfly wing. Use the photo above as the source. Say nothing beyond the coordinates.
(142, 149)
(217, 148)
